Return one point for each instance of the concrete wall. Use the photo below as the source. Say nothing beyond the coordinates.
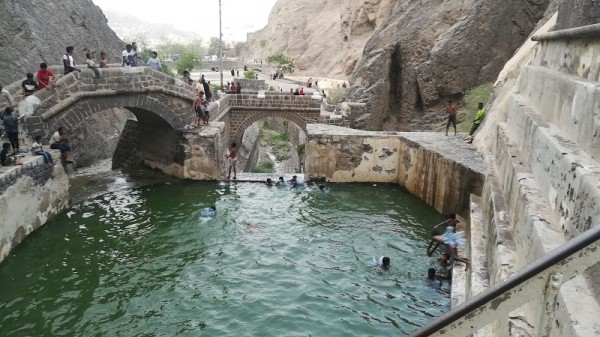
(29, 195)
(442, 176)
(248, 149)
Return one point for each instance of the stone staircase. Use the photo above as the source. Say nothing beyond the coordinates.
(542, 188)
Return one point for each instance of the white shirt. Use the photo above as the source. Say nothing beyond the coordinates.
(36, 147)
(70, 58)
(128, 55)
(55, 139)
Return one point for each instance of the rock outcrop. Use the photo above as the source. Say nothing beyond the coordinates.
(324, 37)
(429, 51)
(36, 31)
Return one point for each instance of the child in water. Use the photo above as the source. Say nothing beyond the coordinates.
(209, 212)
(384, 264)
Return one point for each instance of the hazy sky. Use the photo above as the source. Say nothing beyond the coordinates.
(202, 16)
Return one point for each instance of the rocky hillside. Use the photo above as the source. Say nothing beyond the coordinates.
(430, 51)
(324, 37)
(36, 31)
(404, 57)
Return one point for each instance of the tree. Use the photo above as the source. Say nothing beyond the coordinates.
(213, 46)
(145, 54)
(283, 62)
(187, 61)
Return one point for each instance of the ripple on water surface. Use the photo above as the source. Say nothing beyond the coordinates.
(142, 262)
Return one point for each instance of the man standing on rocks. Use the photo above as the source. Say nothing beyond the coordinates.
(478, 119)
(451, 111)
(11, 124)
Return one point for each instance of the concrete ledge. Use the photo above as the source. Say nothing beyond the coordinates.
(31, 194)
(565, 101)
(442, 171)
(571, 178)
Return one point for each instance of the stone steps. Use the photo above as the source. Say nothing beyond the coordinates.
(535, 234)
(567, 102)
(571, 177)
(477, 276)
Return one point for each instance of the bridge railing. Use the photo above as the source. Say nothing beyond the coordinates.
(542, 278)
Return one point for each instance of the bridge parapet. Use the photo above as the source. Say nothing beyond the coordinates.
(75, 96)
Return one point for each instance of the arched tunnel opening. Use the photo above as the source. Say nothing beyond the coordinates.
(272, 145)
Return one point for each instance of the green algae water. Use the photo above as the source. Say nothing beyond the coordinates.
(140, 261)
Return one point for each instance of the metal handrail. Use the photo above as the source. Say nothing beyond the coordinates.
(588, 31)
(538, 266)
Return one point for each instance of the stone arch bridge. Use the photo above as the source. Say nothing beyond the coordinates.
(162, 107)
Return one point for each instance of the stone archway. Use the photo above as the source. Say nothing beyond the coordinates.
(249, 117)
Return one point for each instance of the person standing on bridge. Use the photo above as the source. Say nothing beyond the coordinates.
(232, 161)
(44, 75)
(11, 124)
(154, 62)
(69, 62)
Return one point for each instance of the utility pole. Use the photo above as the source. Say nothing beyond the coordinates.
(220, 46)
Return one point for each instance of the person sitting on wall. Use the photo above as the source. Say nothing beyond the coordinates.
(60, 141)
(233, 89)
(6, 159)
(38, 150)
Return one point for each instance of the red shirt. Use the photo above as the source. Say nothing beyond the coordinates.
(43, 78)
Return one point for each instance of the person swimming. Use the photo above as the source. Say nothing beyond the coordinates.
(209, 212)
(269, 182)
(281, 182)
(383, 264)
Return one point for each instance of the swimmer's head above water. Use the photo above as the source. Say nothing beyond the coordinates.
(385, 262)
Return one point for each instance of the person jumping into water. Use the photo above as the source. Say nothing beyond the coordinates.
(452, 221)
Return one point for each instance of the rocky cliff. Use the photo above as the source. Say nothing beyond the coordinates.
(35, 31)
(404, 57)
(429, 51)
(324, 37)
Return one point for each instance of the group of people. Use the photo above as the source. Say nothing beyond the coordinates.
(9, 155)
(451, 239)
(452, 113)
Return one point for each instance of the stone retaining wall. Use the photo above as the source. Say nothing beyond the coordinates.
(439, 170)
(29, 195)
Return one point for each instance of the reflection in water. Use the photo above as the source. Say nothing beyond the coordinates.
(140, 261)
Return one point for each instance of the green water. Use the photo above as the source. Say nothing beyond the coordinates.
(140, 261)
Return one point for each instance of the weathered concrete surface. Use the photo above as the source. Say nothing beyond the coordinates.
(540, 141)
(442, 171)
(30, 195)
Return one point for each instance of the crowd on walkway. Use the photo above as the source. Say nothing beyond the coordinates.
(45, 78)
